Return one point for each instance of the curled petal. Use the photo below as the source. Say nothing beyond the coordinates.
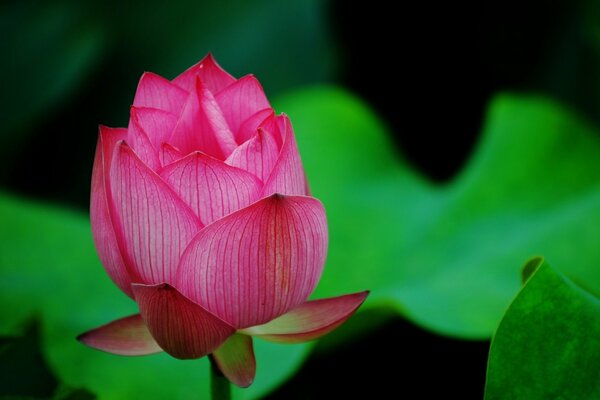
(235, 359)
(105, 238)
(157, 92)
(182, 328)
(259, 262)
(155, 225)
(310, 320)
(210, 73)
(257, 155)
(127, 336)
(210, 187)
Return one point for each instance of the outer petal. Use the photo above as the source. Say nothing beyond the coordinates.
(157, 92)
(251, 125)
(210, 73)
(103, 231)
(287, 176)
(257, 156)
(310, 320)
(127, 336)
(182, 328)
(235, 359)
(157, 124)
(240, 100)
(156, 225)
(210, 187)
(202, 126)
(259, 262)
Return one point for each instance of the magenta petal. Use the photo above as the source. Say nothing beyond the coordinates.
(287, 176)
(259, 262)
(156, 225)
(251, 125)
(202, 126)
(310, 320)
(240, 100)
(182, 328)
(103, 231)
(168, 154)
(257, 156)
(127, 336)
(140, 142)
(235, 359)
(157, 92)
(210, 187)
(210, 73)
(157, 124)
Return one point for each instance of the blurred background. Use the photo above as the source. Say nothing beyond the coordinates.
(428, 73)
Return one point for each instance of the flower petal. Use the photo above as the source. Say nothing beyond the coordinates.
(202, 126)
(127, 336)
(168, 154)
(140, 142)
(182, 328)
(210, 187)
(259, 262)
(210, 73)
(287, 176)
(105, 239)
(156, 225)
(257, 155)
(250, 125)
(235, 359)
(240, 100)
(157, 92)
(157, 124)
(310, 320)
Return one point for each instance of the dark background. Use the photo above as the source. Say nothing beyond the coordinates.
(429, 70)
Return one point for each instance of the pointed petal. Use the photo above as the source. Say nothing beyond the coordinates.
(251, 125)
(168, 154)
(202, 126)
(240, 100)
(127, 336)
(140, 142)
(156, 225)
(157, 92)
(105, 239)
(257, 155)
(157, 124)
(210, 187)
(259, 262)
(182, 328)
(310, 320)
(212, 75)
(287, 176)
(235, 359)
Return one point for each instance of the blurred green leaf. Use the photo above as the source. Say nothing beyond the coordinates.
(48, 267)
(446, 257)
(547, 343)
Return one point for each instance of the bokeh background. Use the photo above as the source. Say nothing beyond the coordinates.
(422, 75)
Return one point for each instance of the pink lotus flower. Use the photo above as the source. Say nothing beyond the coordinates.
(201, 213)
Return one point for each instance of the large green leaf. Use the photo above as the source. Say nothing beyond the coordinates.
(49, 268)
(547, 346)
(446, 257)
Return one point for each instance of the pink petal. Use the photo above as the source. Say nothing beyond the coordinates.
(210, 187)
(127, 336)
(168, 154)
(259, 262)
(250, 125)
(235, 359)
(156, 225)
(257, 156)
(240, 100)
(103, 231)
(202, 126)
(288, 175)
(157, 92)
(210, 73)
(140, 142)
(310, 320)
(157, 124)
(182, 328)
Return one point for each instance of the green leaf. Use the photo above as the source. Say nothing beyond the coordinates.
(446, 257)
(546, 346)
(49, 267)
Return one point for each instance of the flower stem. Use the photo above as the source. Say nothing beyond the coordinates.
(220, 388)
